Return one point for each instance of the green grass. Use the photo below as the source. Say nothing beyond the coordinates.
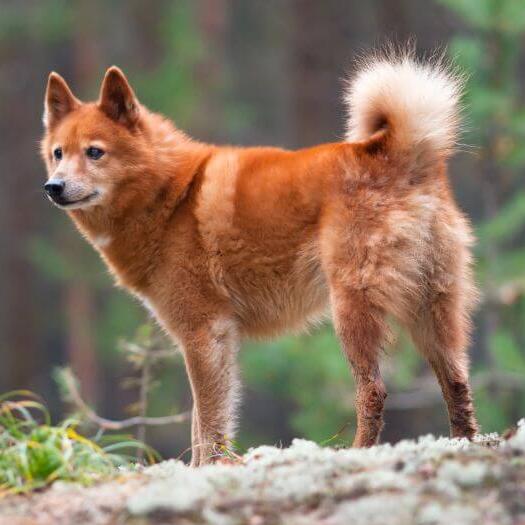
(34, 453)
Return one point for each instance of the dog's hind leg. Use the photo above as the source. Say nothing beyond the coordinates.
(441, 333)
(361, 330)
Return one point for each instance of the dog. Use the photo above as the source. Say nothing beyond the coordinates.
(223, 243)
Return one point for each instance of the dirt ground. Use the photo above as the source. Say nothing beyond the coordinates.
(426, 482)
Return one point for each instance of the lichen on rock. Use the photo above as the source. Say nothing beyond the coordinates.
(428, 481)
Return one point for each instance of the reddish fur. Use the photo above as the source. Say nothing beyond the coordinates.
(227, 243)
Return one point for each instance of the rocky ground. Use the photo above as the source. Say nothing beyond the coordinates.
(426, 482)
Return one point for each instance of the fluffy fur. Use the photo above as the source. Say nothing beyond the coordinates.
(224, 243)
(418, 101)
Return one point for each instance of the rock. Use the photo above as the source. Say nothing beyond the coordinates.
(431, 481)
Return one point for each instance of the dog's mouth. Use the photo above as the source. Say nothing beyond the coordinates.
(63, 203)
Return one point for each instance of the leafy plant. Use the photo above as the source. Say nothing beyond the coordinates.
(34, 453)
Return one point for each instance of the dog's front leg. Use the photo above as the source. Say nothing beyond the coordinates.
(211, 361)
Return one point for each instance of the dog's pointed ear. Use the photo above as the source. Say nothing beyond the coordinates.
(59, 100)
(117, 99)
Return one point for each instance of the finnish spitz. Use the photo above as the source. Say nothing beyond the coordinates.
(224, 243)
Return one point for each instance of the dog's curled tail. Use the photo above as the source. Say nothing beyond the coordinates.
(413, 104)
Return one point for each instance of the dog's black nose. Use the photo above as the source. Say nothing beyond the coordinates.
(54, 188)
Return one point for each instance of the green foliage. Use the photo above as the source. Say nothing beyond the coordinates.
(402, 364)
(508, 224)
(311, 373)
(50, 261)
(506, 16)
(46, 22)
(507, 354)
(118, 315)
(34, 453)
(172, 87)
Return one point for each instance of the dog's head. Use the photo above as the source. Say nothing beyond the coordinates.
(90, 148)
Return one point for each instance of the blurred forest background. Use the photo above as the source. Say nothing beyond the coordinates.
(252, 72)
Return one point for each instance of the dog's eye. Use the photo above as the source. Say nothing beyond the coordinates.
(94, 153)
(57, 153)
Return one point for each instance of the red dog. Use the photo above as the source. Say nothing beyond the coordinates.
(223, 243)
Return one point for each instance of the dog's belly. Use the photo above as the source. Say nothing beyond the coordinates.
(275, 297)
(281, 307)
